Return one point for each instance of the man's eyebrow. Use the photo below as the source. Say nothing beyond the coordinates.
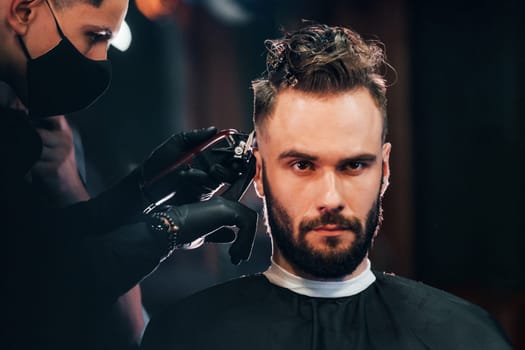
(296, 154)
(364, 157)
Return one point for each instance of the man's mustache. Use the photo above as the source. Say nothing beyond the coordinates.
(331, 218)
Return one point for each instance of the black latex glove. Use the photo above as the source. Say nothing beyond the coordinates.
(123, 203)
(190, 184)
(210, 219)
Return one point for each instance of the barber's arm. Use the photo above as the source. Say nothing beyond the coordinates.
(124, 203)
(55, 174)
(129, 255)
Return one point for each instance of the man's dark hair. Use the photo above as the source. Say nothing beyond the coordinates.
(60, 4)
(320, 59)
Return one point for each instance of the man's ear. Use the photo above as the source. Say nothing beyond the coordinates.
(20, 13)
(386, 166)
(257, 179)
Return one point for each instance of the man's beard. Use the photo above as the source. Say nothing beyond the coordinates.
(329, 264)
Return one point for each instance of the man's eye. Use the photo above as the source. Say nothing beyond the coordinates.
(354, 167)
(303, 165)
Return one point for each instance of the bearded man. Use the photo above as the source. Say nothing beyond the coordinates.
(322, 170)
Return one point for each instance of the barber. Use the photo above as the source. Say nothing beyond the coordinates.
(62, 263)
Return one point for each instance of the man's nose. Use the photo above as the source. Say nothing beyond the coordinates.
(330, 196)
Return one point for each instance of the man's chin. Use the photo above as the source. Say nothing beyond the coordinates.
(321, 260)
(329, 245)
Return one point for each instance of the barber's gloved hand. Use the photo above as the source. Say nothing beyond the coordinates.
(210, 220)
(124, 203)
(188, 183)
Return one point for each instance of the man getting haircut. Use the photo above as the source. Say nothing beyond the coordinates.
(322, 171)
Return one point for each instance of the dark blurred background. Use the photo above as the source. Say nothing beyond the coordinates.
(453, 211)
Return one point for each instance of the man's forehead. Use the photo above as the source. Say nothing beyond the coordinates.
(306, 120)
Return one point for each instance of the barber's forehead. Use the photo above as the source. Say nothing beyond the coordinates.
(109, 14)
(60, 4)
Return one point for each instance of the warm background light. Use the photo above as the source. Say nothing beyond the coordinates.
(153, 9)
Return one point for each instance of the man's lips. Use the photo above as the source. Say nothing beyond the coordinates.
(331, 230)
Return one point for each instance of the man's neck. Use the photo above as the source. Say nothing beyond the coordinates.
(320, 289)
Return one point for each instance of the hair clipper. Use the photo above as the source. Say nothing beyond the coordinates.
(229, 148)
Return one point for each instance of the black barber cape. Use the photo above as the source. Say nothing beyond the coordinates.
(391, 313)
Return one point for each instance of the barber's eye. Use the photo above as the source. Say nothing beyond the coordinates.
(97, 37)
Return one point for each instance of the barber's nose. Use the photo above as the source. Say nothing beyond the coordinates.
(330, 195)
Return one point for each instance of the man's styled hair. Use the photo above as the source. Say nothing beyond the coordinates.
(60, 4)
(320, 59)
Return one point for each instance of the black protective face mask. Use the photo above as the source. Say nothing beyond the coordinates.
(63, 80)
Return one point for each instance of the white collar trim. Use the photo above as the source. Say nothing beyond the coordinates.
(320, 289)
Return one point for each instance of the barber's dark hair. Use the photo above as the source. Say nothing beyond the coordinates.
(60, 4)
(320, 59)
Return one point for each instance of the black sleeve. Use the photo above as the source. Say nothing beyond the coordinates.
(20, 144)
(120, 205)
(120, 260)
(100, 245)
